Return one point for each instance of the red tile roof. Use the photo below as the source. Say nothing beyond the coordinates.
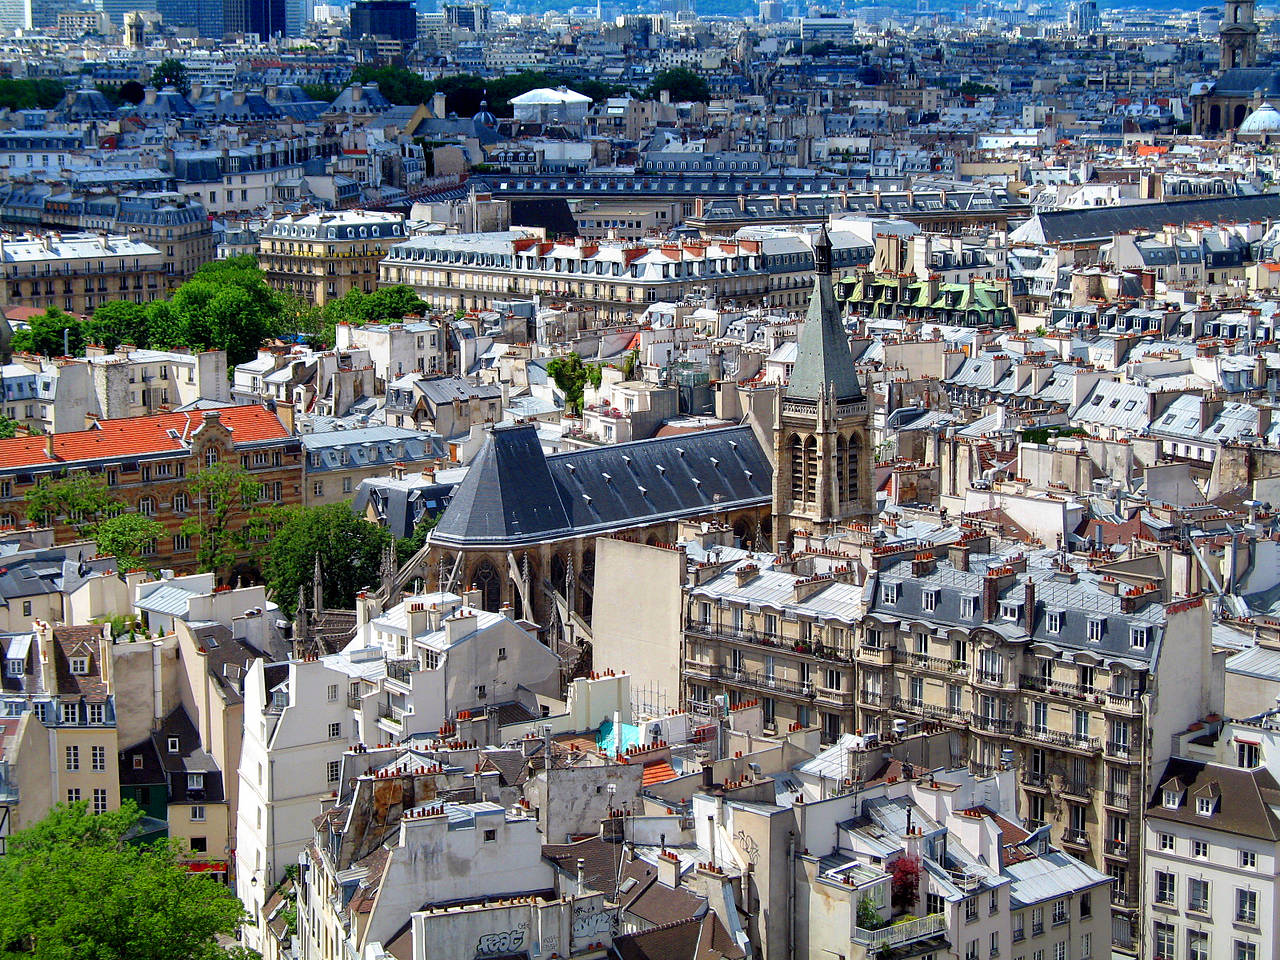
(138, 436)
(659, 771)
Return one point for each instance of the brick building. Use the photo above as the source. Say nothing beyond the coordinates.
(148, 461)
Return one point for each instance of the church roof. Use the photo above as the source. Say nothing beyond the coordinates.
(514, 494)
(1245, 81)
(823, 358)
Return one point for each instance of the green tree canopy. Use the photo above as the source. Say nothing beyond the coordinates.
(126, 537)
(350, 550)
(30, 94)
(683, 84)
(230, 517)
(8, 428)
(76, 888)
(84, 499)
(358, 308)
(321, 91)
(226, 305)
(117, 322)
(171, 73)
(44, 335)
(571, 375)
(397, 84)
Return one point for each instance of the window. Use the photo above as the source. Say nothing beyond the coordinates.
(1018, 932)
(1200, 849)
(14, 668)
(197, 814)
(1138, 637)
(1060, 950)
(1205, 806)
(180, 503)
(1165, 938)
(1166, 842)
(73, 758)
(1246, 950)
(1197, 945)
(1172, 799)
(889, 593)
(1060, 913)
(1247, 755)
(995, 943)
(1248, 859)
(73, 795)
(1053, 622)
(138, 761)
(97, 713)
(335, 731)
(481, 691)
(79, 666)
(26, 608)
(1246, 906)
(195, 781)
(968, 606)
(502, 653)
(1086, 946)
(971, 910)
(1198, 894)
(98, 758)
(174, 745)
(1095, 630)
(70, 713)
(146, 506)
(333, 771)
(181, 542)
(317, 489)
(332, 692)
(99, 800)
(1086, 904)
(1166, 887)
(199, 845)
(490, 836)
(929, 600)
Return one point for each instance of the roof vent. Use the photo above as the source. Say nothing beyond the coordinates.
(661, 468)
(642, 490)
(586, 497)
(607, 478)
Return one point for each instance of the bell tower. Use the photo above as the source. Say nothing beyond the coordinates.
(1237, 36)
(822, 437)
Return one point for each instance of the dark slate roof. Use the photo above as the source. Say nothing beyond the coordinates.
(189, 758)
(1245, 798)
(1093, 223)
(1245, 81)
(823, 358)
(515, 494)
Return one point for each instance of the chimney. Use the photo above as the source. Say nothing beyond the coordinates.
(48, 446)
(990, 597)
(668, 869)
(1029, 606)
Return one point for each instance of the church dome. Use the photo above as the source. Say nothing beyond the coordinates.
(484, 118)
(1265, 121)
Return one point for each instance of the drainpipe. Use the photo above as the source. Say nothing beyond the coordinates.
(791, 895)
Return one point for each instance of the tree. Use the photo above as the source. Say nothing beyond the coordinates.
(229, 517)
(400, 86)
(683, 84)
(171, 73)
(76, 887)
(8, 428)
(350, 549)
(407, 547)
(51, 334)
(571, 375)
(84, 499)
(226, 305)
(905, 882)
(358, 308)
(126, 537)
(320, 91)
(27, 94)
(117, 322)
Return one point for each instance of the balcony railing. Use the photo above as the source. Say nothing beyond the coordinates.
(1034, 778)
(1117, 848)
(1116, 798)
(1117, 748)
(1077, 838)
(992, 724)
(704, 628)
(765, 682)
(899, 933)
(932, 712)
(843, 698)
(992, 678)
(400, 670)
(1056, 738)
(353, 701)
(391, 713)
(1077, 788)
(922, 661)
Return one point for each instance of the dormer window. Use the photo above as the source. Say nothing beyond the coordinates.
(14, 668)
(1053, 621)
(1095, 629)
(195, 781)
(79, 666)
(889, 593)
(929, 600)
(1205, 806)
(175, 745)
(1172, 799)
(968, 607)
(1009, 611)
(1138, 637)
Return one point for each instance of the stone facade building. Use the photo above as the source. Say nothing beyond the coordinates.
(321, 256)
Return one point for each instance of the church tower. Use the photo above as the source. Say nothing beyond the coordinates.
(822, 437)
(1238, 36)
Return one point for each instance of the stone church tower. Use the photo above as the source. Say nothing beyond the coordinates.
(1238, 36)
(822, 436)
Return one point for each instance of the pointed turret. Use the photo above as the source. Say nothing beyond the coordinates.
(823, 360)
(317, 588)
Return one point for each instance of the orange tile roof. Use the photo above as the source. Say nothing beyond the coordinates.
(657, 772)
(138, 436)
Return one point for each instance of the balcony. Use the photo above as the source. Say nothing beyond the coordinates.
(1117, 848)
(1077, 788)
(1076, 838)
(992, 678)
(1116, 748)
(1123, 900)
(713, 631)
(876, 656)
(930, 711)
(1055, 738)
(1058, 688)
(765, 683)
(872, 698)
(392, 714)
(353, 701)
(920, 661)
(1117, 798)
(992, 724)
(839, 698)
(401, 670)
(700, 668)
(1036, 779)
(1119, 703)
(896, 934)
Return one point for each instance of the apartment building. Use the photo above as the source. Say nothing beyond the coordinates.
(397, 349)
(148, 461)
(1211, 840)
(59, 707)
(338, 460)
(321, 256)
(620, 280)
(77, 272)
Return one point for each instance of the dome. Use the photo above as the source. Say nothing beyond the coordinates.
(484, 118)
(1265, 121)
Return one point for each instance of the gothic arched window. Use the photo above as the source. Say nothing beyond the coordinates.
(811, 469)
(489, 584)
(795, 452)
(855, 461)
(842, 466)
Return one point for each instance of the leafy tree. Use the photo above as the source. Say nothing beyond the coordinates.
(971, 88)
(868, 916)
(350, 550)
(571, 375)
(29, 94)
(406, 548)
(117, 322)
(229, 518)
(82, 498)
(8, 428)
(683, 84)
(126, 537)
(906, 882)
(321, 91)
(76, 888)
(358, 308)
(397, 84)
(226, 305)
(44, 335)
(171, 73)
(629, 364)
(131, 91)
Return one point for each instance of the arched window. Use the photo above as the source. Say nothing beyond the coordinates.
(146, 506)
(811, 469)
(851, 478)
(795, 452)
(842, 467)
(487, 581)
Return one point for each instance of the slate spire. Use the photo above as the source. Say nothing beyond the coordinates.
(823, 361)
